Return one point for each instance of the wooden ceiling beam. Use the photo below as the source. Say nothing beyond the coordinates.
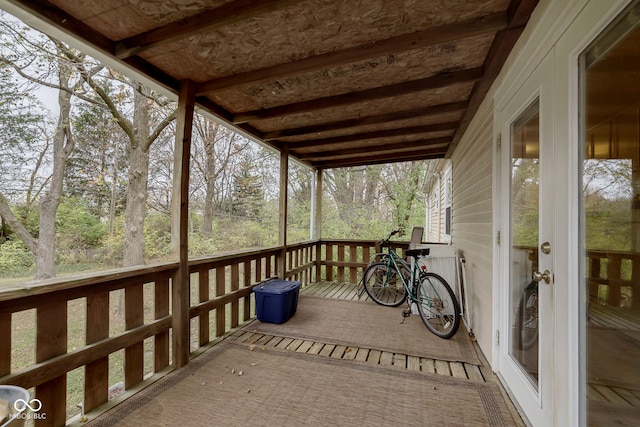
(519, 12)
(437, 81)
(368, 120)
(412, 130)
(379, 159)
(422, 144)
(432, 36)
(207, 20)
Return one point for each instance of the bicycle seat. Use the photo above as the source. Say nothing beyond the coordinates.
(417, 252)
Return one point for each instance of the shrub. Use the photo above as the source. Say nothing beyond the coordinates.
(16, 259)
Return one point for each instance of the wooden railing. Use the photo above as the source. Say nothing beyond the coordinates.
(224, 285)
(53, 358)
(139, 298)
(346, 260)
(614, 278)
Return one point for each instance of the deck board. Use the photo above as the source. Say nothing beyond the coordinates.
(603, 316)
(384, 359)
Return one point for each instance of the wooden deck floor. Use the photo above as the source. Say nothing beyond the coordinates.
(611, 396)
(624, 321)
(458, 371)
(349, 291)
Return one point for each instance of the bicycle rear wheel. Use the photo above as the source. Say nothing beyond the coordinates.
(384, 285)
(437, 305)
(527, 317)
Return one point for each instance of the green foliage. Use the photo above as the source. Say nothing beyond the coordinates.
(157, 233)
(608, 223)
(77, 227)
(113, 245)
(199, 245)
(15, 259)
(248, 197)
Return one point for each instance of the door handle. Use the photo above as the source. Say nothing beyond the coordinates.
(538, 277)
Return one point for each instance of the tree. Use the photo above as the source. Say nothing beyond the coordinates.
(43, 246)
(150, 110)
(247, 199)
(404, 183)
(95, 169)
(215, 152)
(355, 192)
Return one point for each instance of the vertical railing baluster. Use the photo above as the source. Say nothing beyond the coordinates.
(267, 267)
(235, 285)
(614, 267)
(5, 343)
(161, 309)
(51, 341)
(353, 271)
(317, 261)
(635, 281)
(203, 295)
(341, 259)
(329, 259)
(247, 282)
(96, 377)
(134, 317)
(220, 291)
(366, 257)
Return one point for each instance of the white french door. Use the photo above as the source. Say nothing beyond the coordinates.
(526, 331)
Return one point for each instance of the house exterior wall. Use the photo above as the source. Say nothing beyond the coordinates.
(436, 193)
(560, 31)
(472, 225)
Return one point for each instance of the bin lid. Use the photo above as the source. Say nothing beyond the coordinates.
(277, 286)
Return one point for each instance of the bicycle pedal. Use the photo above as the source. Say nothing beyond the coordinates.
(406, 313)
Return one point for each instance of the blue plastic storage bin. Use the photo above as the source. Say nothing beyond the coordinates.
(276, 300)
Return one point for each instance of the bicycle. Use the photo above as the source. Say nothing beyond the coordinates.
(391, 280)
(526, 319)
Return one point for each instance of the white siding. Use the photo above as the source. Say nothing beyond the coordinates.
(473, 221)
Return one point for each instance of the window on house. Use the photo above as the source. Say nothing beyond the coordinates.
(448, 197)
(610, 221)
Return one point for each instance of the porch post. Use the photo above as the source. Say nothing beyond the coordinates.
(317, 220)
(282, 234)
(180, 224)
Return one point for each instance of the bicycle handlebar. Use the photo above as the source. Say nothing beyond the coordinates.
(386, 240)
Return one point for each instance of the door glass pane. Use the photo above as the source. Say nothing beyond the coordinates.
(610, 224)
(523, 292)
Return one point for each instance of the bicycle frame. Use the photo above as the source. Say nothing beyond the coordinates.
(427, 292)
(396, 263)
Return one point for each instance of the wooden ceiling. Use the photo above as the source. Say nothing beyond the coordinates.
(340, 82)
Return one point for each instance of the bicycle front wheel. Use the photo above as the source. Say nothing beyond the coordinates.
(384, 285)
(437, 305)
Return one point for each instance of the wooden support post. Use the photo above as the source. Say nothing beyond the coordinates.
(317, 220)
(318, 205)
(282, 234)
(180, 208)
